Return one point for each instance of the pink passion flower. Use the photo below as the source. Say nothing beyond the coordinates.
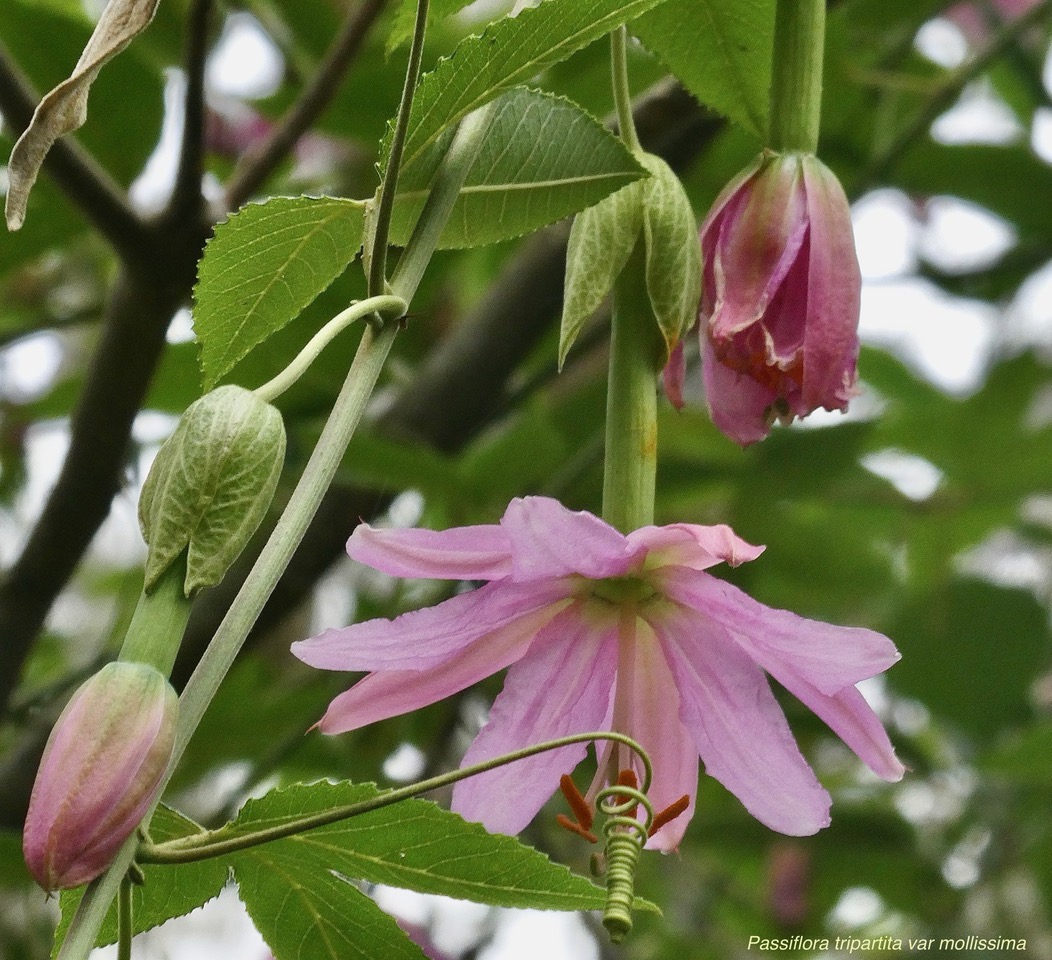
(778, 320)
(604, 631)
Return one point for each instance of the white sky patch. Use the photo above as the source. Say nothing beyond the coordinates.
(980, 116)
(942, 42)
(959, 236)
(181, 329)
(221, 928)
(857, 907)
(405, 764)
(1041, 133)
(528, 934)
(1028, 320)
(28, 367)
(913, 476)
(886, 234)
(947, 339)
(153, 186)
(246, 63)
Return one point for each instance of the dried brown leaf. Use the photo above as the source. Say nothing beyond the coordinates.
(65, 108)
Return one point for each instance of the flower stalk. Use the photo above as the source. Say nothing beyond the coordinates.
(157, 625)
(796, 80)
(630, 464)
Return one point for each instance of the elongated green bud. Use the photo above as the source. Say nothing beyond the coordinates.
(211, 485)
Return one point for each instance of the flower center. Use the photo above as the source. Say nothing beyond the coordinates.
(621, 591)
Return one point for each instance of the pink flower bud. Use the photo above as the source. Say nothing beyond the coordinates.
(780, 297)
(101, 770)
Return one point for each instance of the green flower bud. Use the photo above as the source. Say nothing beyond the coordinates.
(602, 240)
(211, 485)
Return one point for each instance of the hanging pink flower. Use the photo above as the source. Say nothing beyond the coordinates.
(976, 23)
(606, 631)
(780, 298)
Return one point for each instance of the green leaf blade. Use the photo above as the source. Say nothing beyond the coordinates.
(263, 266)
(414, 845)
(306, 912)
(169, 891)
(508, 53)
(720, 49)
(544, 159)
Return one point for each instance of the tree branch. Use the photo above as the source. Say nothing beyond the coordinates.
(85, 184)
(186, 200)
(257, 165)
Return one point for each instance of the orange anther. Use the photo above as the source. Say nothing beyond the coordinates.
(567, 824)
(669, 814)
(577, 802)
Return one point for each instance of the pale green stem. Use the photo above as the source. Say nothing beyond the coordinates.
(622, 93)
(445, 188)
(156, 628)
(377, 245)
(386, 306)
(796, 75)
(244, 611)
(630, 462)
(124, 920)
(212, 843)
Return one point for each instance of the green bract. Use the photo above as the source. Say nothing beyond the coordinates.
(211, 485)
(602, 240)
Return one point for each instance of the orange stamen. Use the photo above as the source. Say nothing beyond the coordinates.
(669, 814)
(567, 824)
(627, 778)
(577, 802)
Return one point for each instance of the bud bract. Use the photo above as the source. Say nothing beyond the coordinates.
(780, 298)
(102, 769)
(211, 484)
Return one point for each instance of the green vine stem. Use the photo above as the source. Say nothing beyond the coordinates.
(630, 461)
(622, 93)
(387, 306)
(247, 605)
(211, 843)
(796, 75)
(377, 246)
(125, 926)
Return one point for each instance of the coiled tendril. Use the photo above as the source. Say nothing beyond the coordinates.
(625, 836)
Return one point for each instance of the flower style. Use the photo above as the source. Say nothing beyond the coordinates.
(780, 298)
(607, 631)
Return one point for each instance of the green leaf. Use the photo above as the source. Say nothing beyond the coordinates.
(970, 652)
(263, 266)
(405, 18)
(720, 49)
(544, 158)
(506, 54)
(168, 891)
(673, 252)
(601, 241)
(415, 845)
(305, 911)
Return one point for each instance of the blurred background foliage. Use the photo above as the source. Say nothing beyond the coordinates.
(925, 513)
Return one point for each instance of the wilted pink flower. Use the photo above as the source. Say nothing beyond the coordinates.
(780, 298)
(101, 770)
(606, 631)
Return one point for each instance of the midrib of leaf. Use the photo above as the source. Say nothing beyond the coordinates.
(510, 187)
(304, 893)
